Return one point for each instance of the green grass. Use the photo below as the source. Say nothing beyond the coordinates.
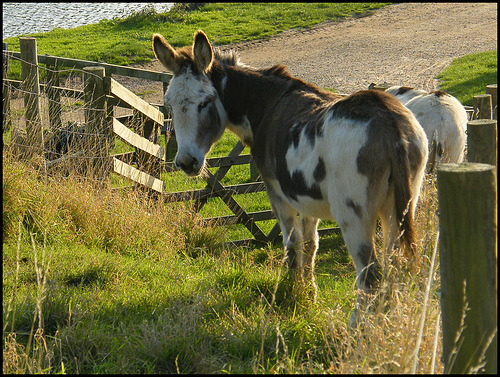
(468, 75)
(128, 40)
(102, 281)
(95, 281)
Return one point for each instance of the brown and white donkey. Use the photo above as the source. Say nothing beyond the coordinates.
(321, 156)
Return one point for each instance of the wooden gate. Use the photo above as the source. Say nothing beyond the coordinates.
(214, 187)
(142, 144)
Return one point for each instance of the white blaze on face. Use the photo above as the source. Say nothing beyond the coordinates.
(185, 93)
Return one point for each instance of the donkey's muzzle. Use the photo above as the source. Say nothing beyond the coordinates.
(189, 165)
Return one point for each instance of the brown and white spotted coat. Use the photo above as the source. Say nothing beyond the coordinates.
(321, 156)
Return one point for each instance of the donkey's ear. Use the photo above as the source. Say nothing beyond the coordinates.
(202, 52)
(165, 53)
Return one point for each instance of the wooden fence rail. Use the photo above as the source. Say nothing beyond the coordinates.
(109, 68)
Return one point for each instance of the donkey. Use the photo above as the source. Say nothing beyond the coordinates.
(443, 119)
(321, 156)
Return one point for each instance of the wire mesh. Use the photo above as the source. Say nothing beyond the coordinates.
(52, 119)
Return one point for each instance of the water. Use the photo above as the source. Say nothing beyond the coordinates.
(26, 18)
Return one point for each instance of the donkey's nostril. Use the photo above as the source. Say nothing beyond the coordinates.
(189, 166)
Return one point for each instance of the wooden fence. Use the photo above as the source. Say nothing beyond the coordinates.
(101, 92)
(468, 246)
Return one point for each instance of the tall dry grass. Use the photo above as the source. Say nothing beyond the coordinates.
(399, 333)
(48, 212)
(401, 329)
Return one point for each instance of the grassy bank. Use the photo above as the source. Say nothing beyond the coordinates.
(468, 75)
(101, 281)
(128, 40)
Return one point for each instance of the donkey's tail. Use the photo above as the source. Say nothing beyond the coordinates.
(403, 195)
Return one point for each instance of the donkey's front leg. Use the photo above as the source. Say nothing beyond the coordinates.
(311, 242)
(293, 240)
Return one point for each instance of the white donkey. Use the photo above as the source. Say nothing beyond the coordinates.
(443, 118)
(321, 156)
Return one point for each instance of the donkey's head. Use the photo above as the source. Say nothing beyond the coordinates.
(198, 115)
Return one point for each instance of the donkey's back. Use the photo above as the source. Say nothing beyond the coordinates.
(443, 119)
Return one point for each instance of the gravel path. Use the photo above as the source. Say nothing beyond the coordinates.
(405, 44)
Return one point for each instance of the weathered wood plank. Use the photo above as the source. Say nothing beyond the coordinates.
(217, 162)
(236, 208)
(483, 107)
(206, 193)
(137, 141)
(119, 91)
(110, 68)
(66, 92)
(482, 141)
(492, 89)
(138, 176)
(6, 121)
(233, 219)
(273, 236)
(98, 127)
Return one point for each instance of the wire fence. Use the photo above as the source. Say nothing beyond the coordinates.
(51, 118)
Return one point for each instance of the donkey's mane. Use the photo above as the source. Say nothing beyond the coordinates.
(278, 70)
(231, 58)
(228, 57)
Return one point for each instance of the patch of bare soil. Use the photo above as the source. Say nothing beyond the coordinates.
(404, 44)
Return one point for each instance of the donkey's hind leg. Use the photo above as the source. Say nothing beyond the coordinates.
(311, 242)
(358, 236)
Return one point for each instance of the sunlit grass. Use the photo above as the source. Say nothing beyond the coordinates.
(469, 75)
(127, 40)
(159, 287)
(97, 280)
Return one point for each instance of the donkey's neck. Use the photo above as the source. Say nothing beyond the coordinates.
(248, 96)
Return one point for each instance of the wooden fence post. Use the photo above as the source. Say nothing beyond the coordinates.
(97, 130)
(468, 263)
(6, 119)
(31, 87)
(482, 106)
(170, 139)
(492, 89)
(482, 141)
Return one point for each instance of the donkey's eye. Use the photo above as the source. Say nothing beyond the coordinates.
(203, 105)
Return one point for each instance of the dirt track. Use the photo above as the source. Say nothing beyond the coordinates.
(405, 44)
